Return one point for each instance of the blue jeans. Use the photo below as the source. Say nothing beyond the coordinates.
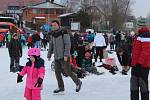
(37, 44)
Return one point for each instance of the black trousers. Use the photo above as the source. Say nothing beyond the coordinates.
(99, 53)
(65, 65)
(44, 43)
(139, 81)
(112, 45)
(14, 62)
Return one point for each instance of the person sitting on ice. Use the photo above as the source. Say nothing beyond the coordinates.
(81, 73)
(35, 71)
(109, 64)
(87, 64)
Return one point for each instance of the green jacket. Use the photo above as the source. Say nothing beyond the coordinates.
(9, 37)
(86, 63)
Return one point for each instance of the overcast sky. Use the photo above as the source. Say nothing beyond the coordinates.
(141, 8)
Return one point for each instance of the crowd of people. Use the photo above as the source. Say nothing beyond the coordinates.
(76, 55)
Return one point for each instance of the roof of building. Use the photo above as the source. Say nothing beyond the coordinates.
(68, 14)
(64, 15)
(5, 3)
(46, 5)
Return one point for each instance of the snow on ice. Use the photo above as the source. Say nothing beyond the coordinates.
(102, 87)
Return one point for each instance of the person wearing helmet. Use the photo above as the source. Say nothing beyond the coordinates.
(35, 71)
(140, 65)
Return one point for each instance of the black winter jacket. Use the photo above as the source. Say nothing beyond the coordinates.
(124, 59)
(15, 48)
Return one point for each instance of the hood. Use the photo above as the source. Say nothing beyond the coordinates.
(143, 30)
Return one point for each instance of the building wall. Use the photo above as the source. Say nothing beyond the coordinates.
(29, 16)
(32, 20)
(5, 3)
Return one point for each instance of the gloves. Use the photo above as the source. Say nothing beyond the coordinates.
(39, 82)
(19, 78)
(136, 71)
(138, 65)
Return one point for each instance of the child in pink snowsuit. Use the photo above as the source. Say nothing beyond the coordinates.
(35, 71)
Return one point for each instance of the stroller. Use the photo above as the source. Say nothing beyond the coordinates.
(109, 64)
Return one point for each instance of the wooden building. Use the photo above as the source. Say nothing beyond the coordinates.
(39, 14)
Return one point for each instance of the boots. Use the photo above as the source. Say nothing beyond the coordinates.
(15, 69)
(134, 95)
(124, 72)
(59, 90)
(116, 68)
(145, 96)
(11, 68)
(112, 70)
(78, 87)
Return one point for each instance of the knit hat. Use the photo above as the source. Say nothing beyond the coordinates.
(143, 29)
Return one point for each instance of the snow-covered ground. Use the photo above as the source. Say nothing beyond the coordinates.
(102, 87)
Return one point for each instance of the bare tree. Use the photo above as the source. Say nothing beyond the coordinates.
(111, 13)
(119, 12)
(73, 5)
(114, 11)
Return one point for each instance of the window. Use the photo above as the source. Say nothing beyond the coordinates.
(58, 11)
(26, 13)
(8, 19)
(38, 11)
(62, 11)
(34, 11)
(42, 11)
(51, 11)
(45, 11)
(4, 27)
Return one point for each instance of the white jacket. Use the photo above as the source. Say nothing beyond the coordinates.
(99, 40)
(41, 35)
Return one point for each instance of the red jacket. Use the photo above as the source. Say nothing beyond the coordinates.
(30, 39)
(73, 62)
(2, 37)
(141, 50)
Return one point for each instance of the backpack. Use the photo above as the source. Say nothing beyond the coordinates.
(90, 38)
(73, 47)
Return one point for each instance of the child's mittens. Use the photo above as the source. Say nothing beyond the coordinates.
(39, 82)
(19, 78)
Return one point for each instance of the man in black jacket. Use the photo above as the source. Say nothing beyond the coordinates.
(124, 59)
(15, 52)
